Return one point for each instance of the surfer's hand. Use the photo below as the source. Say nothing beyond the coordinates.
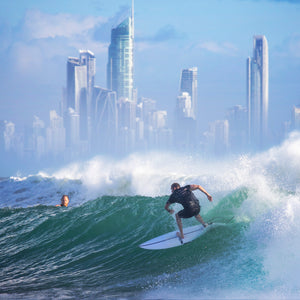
(209, 197)
(171, 211)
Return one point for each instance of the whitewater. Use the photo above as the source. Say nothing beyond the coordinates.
(90, 249)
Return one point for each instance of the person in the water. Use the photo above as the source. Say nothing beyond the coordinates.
(191, 206)
(64, 201)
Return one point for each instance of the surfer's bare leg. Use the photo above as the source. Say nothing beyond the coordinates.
(179, 223)
(199, 218)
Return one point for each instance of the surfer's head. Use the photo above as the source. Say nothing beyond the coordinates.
(64, 200)
(175, 186)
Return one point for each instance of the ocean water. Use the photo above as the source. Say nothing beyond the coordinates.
(90, 250)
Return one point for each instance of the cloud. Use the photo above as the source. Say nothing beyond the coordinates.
(164, 34)
(39, 25)
(41, 38)
(102, 31)
(226, 48)
(33, 58)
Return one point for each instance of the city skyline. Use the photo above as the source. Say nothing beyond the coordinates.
(212, 94)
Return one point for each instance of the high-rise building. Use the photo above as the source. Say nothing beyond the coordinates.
(184, 106)
(237, 118)
(72, 63)
(79, 93)
(87, 58)
(120, 59)
(76, 97)
(218, 137)
(188, 84)
(73, 130)
(185, 123)
(258, 92)
(9, 136)
(56, 135)
(120, 79)
(106, 120)
(39, 142)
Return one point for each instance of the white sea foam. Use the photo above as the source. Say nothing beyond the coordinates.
(151, 174)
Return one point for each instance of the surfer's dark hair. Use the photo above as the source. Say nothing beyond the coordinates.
(175, 185)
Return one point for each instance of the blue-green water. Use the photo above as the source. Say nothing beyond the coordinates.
(90, 250)
(93, 249)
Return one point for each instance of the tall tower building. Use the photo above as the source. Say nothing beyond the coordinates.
(188, 84)
(87, 58)
(72, 63)
(77, 96)
(106, 120)
(221, 137)
(184, 106)
(120, 79)
(79, 93)
(120, 59)
(56, 134)
(258, 91)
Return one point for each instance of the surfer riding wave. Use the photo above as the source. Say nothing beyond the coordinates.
(191, 207)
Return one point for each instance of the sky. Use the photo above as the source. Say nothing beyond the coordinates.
(37, 37)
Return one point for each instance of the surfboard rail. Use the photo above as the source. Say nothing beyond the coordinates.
(170, 239)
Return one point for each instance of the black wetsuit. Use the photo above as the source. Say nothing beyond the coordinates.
(188, 200)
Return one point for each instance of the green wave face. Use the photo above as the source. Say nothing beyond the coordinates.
(96, 245)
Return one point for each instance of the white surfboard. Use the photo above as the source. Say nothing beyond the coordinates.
(170, 239)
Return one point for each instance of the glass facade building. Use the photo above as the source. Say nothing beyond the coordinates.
(188, 84)
(258, 91)
(120, 59)
(79, 93)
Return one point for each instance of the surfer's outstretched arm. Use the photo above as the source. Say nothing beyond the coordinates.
(199, 187)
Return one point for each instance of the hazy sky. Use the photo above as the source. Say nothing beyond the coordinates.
(214, 35)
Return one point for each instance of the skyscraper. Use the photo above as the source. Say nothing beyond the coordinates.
(184, 106)
(87, 58)
(258, 92)
(120, 59)
(220, 130)
(185, 123)
(120, 79)
(106, 120)
(79, 93)
(72, 63)
(188, 83)
(56, 134)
